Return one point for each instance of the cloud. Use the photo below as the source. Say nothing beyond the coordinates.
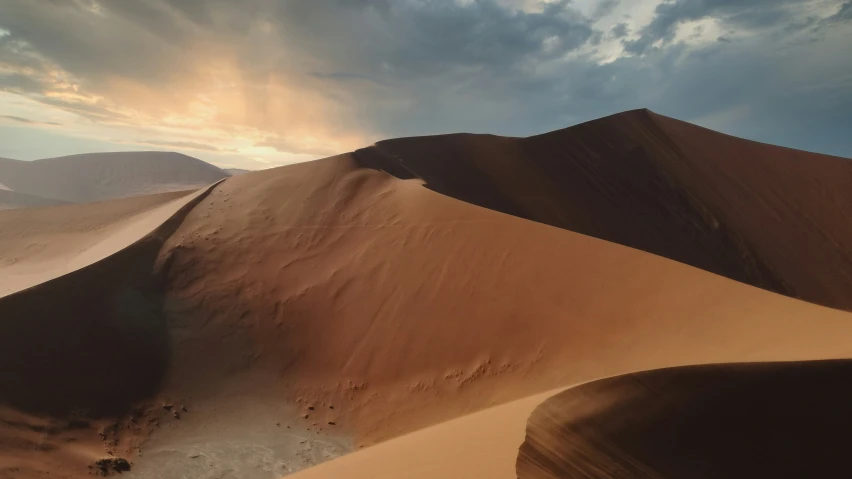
(343, 76)
(620, 30)
(280, 80)
(605, 7)
(298, 145)
(255, 65)
(844, 14)
(28, 121)
(178, 145)
(750, 15)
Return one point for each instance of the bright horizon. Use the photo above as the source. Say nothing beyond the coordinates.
(263, 83)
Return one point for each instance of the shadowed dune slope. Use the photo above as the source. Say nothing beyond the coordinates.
(786, 420)
(769, 216)
(100, 176)
(72, 340)
(82, 347)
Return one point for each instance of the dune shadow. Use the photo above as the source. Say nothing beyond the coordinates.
(91, 342)
(741, 420)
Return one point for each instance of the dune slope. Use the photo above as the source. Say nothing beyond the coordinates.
(12, 200)
(80, 347)
(314, 307)
(749, 211)
(740, 421)
(100, 176)
(402, 307)
(37, 245)
(722, 420)
(483, 444)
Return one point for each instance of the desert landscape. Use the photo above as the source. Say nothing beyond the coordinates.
(630, 297)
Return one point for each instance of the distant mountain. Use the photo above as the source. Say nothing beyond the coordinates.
(100, 176)
(237, 171)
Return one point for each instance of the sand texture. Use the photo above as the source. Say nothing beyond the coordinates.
(664, 186)
(282, 318)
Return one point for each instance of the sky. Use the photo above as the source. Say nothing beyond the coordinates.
(260, 83)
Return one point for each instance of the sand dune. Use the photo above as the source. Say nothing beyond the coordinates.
(769, 216)
(12, 199)
(287, 316)
(783, 420)
(403, 308)
(100, 176)
(740, 421)
(483, 444)
(86, 342)
(348, 276)
(41, 244)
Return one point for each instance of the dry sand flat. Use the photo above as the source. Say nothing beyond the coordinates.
(343, 306)
(773, 217)
(100, 176)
